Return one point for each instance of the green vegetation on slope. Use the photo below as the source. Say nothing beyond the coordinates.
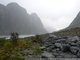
(13, 51)
(69, 32)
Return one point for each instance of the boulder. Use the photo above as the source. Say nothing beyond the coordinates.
(75, 39)
(74, 50)
(73, 44)
(78, 54)
(58, 45)
(66, 48)
(61, 41)
(46, 55)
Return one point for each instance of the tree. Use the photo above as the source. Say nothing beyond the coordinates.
(14, 37)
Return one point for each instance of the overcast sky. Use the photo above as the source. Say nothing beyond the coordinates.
(55, 14)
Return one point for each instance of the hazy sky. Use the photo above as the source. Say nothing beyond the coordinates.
(56, 14)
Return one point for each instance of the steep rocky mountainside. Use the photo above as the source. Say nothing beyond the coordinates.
(72, 30)
(14, 18)
(75, 22)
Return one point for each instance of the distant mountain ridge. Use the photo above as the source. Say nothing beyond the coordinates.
(14, 18)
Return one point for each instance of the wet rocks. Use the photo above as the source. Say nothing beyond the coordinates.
(74, 50)
(46, 54)
(59, 46)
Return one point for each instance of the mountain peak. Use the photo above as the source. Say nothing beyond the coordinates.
(14, 18)
(76, 22)
(1, 5)
(34, 14)
(13, 4)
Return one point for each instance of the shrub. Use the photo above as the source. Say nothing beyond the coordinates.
(14, 37)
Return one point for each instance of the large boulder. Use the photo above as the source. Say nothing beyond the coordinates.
(46, 55)
(74, 50)
(66, 48)
(75, 39)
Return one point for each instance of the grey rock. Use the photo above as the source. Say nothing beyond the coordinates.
(66, 47)
(74, 50)
(59, 45)
(46, 55)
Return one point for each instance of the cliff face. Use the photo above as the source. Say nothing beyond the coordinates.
(14, 18)
(76, 22)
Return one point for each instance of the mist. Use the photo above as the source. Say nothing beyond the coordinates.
(54, 14)
(39, 29)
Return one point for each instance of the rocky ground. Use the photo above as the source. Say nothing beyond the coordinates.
(59, 47)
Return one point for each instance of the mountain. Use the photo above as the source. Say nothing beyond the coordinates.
(14, 18)
(72, 30)
(68, 32)
(76, 22)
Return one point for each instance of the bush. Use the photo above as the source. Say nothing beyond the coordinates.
(2, 41)
(36, 50)
(14, 37)
(37, 39)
